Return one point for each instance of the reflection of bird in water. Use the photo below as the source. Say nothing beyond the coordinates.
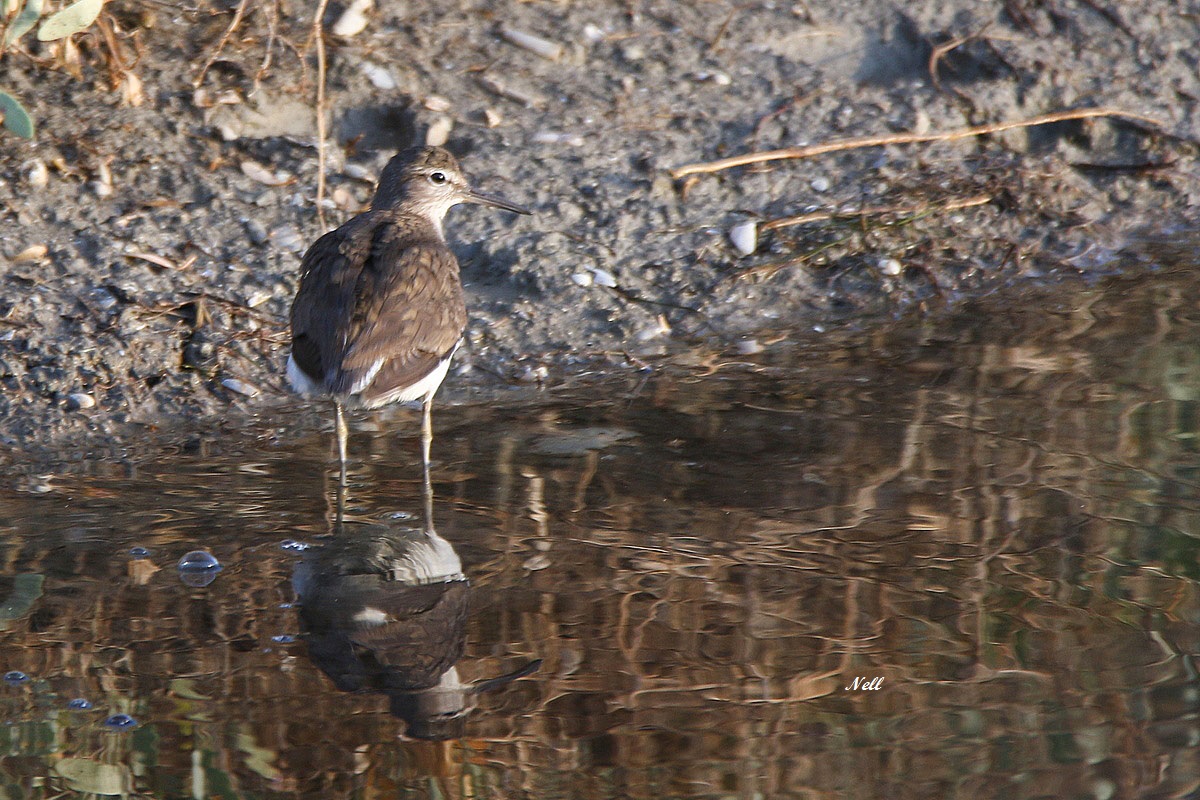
(385, 610)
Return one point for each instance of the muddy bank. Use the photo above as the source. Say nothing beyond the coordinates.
(172, 231)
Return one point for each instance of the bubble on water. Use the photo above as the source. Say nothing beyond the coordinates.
(283, 638)
(79, 704)
(120, 722)
(198, 568)
(139, 552)
(292, 544)
(15, 678)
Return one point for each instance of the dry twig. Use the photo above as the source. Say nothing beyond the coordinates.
(220, 47)
(903, 138)
(318, 35)
(875, 211)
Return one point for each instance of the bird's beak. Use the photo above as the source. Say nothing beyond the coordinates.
(496, 202)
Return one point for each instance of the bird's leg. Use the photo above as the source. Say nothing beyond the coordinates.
(342, 434)
(426, 445)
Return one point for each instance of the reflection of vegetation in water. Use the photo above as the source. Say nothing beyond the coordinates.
(997, 520)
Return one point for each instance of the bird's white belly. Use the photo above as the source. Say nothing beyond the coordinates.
(303, 384)
(300, 382)
(416, 391)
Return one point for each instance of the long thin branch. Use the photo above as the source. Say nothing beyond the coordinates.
(318, 35)
(903, 138)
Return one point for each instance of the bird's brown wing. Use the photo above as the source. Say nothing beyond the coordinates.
(386, 301)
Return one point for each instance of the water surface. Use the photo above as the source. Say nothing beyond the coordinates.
(954, 557)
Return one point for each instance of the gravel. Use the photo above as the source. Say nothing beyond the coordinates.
(579, 111)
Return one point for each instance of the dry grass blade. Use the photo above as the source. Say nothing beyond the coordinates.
(903, 138)
(161, 261)
(874, 211)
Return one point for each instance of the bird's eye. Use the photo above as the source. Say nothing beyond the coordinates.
(437, 178)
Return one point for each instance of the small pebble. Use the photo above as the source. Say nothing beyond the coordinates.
(492, 118)
(255, 231)
(79, 401)
(890, 266)
(593, 33)
(358, 172)
(241, 387)
(287, 237)
(744, 237)
(31, 254)
(748, 347)
(343, 199)
(39, 174)
(716, 78)
(820, 184)
(102, 189)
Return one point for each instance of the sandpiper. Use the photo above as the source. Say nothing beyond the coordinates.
(380, 309)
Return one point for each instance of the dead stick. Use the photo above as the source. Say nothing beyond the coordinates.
(318, 34)
(819, 216)
(902, 138)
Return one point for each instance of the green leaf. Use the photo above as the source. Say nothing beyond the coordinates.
(24, 22)
(72, 19)
(16, 118)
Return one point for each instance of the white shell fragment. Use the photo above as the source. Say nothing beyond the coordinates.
(558, 137)
(545, 48)
(380, 77)
(353, 20)
(744, 237)
(584, 279)
(257, 172)
(437, 103)
(241, 387)
(77, 401)
(602, 277)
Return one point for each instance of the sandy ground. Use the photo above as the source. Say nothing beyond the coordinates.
(150, 252)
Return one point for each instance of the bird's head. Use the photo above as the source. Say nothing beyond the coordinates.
(428, 181)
